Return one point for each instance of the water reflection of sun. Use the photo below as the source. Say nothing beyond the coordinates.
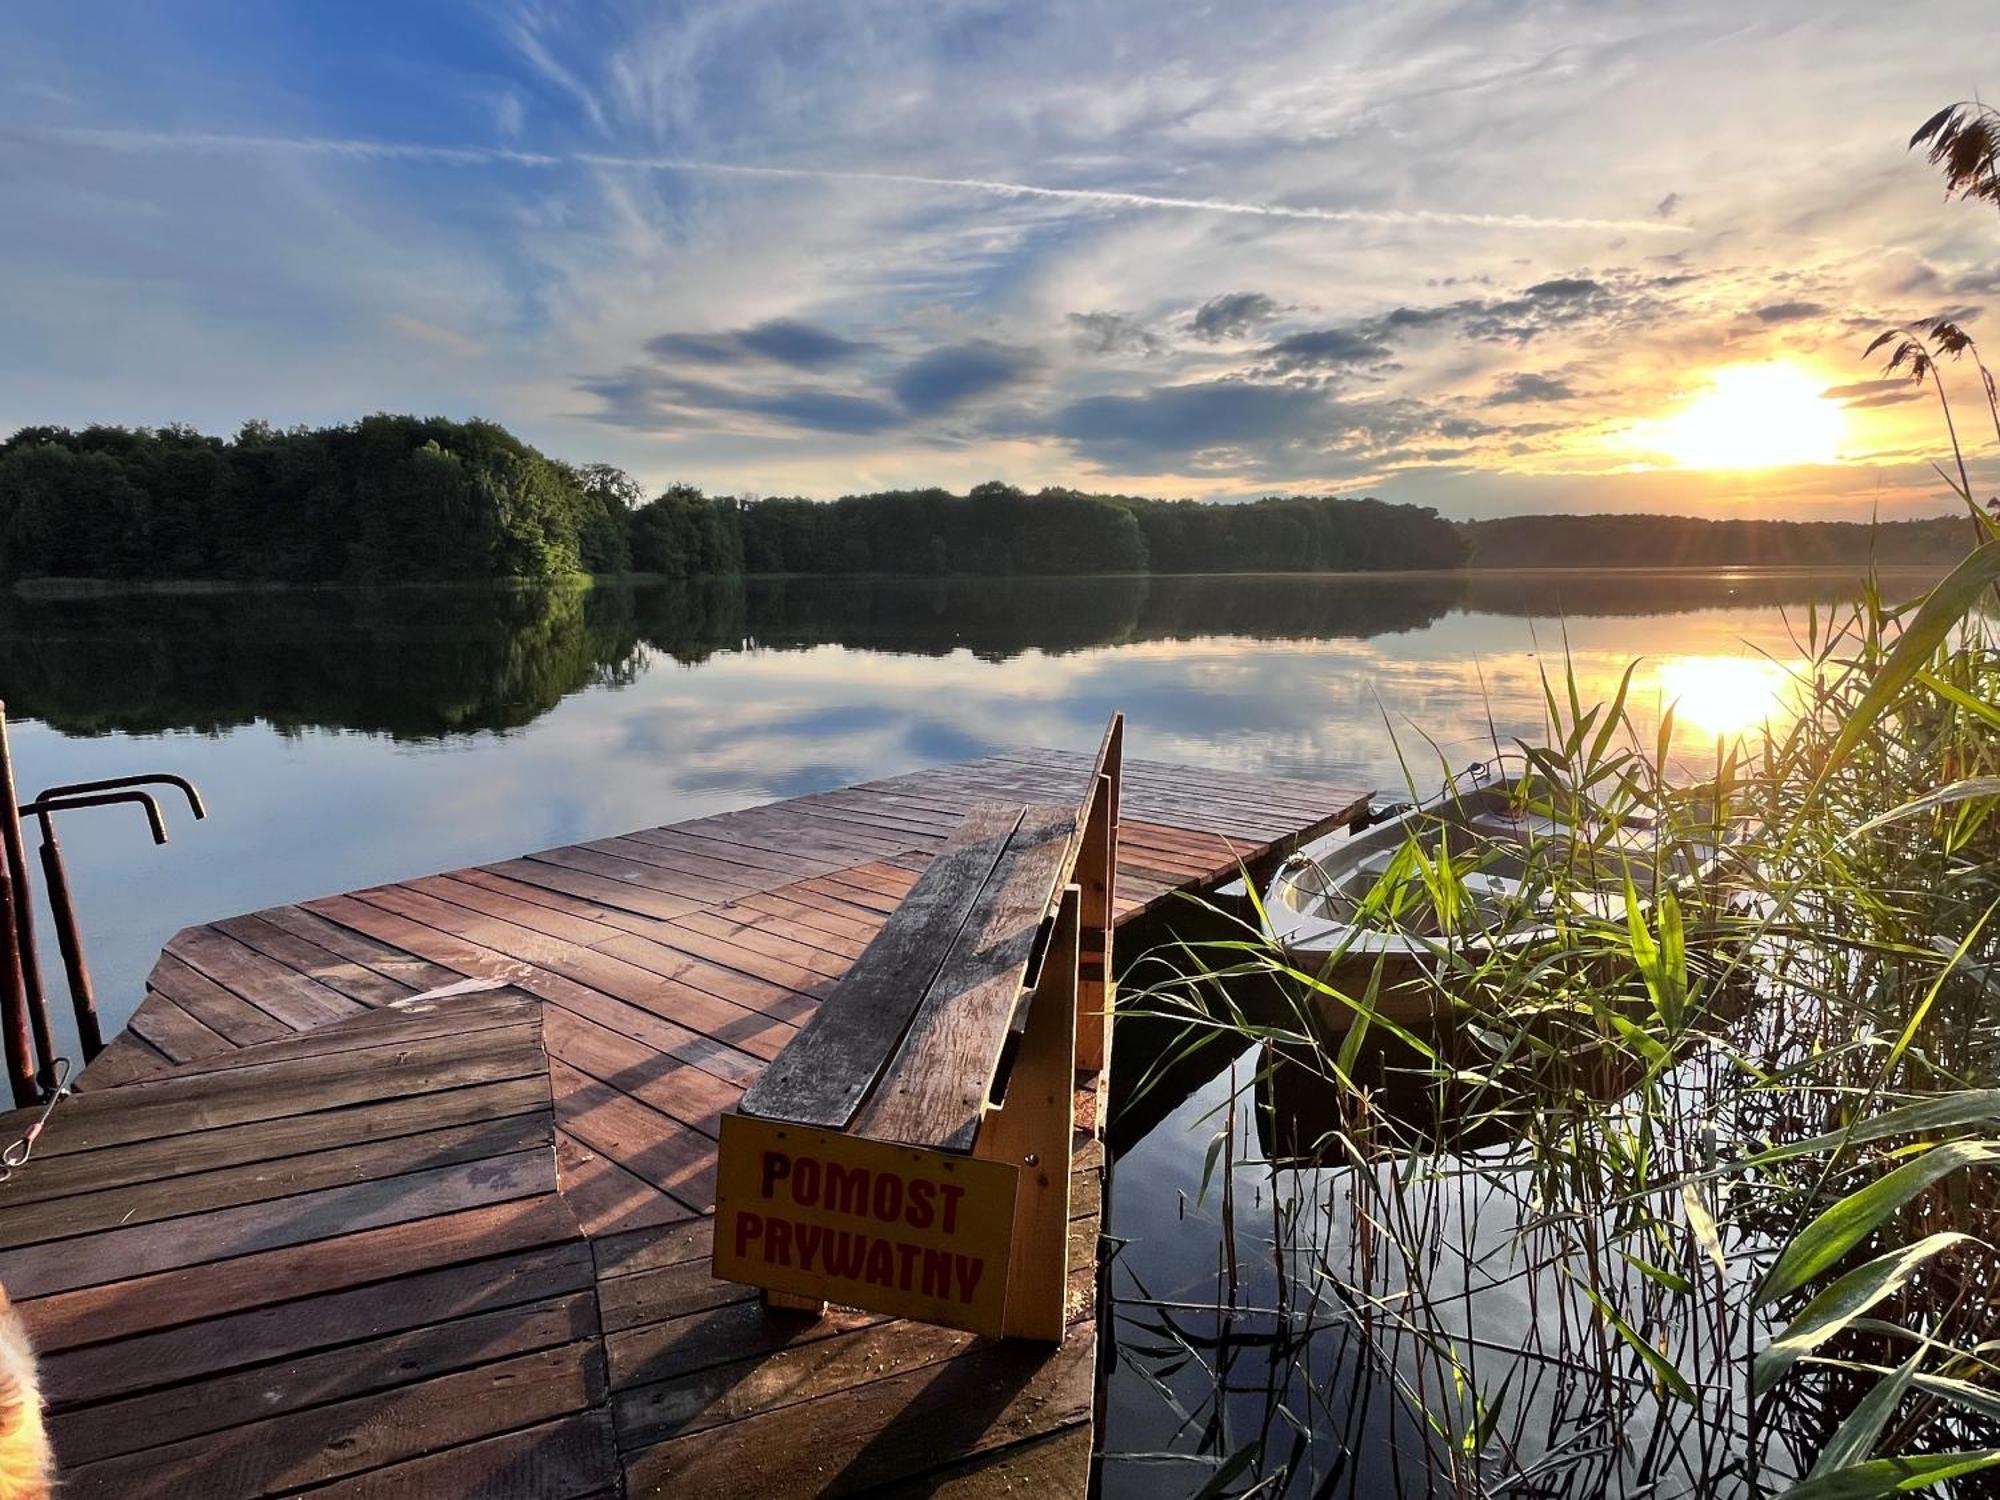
(1721, 695)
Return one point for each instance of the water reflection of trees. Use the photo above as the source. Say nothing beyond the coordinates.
(422, 663)
(412, 664)
(1669, 591)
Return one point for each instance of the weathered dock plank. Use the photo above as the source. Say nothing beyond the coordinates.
(309, 1227)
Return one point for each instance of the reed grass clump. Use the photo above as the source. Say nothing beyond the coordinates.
(1698, 1192)
(1722, 1161)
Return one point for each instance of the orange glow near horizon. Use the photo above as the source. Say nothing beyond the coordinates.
(1752, 417)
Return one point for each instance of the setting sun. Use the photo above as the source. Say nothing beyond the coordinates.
(1753, 417)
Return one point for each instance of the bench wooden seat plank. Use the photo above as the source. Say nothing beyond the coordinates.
(939, 1080)
(839, 1054)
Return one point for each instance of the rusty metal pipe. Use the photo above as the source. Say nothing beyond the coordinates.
(69, 941)
(14, 1004)
(116, 783)
(41, 807)
(20, 903)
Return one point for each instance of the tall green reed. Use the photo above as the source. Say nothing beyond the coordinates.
(1695, 1190)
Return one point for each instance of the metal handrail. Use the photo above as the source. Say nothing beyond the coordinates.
(29, 1042)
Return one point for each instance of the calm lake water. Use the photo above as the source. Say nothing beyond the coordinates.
(348, 738)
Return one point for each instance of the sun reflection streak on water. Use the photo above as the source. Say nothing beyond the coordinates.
(1721, 697)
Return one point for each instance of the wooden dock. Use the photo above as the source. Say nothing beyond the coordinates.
(312, 1227)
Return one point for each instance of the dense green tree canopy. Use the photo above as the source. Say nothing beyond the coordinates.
(1643, 541)
(383, 500)
(399, 499)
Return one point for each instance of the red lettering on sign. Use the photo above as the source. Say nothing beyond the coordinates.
(808, 1237)
(812, 1182)
(884, 1225)
(776, 1165)
(881, 1264)
(937, 1273)
(969, 1272)
(844, 1252)
(846, 1189)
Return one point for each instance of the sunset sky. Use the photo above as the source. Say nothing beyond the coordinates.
(1492, 257)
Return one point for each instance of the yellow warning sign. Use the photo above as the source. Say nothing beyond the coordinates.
(869, 1224)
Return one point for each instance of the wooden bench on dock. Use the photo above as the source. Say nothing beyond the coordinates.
(909, 1151)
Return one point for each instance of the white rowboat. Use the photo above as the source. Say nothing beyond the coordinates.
(1380, 908)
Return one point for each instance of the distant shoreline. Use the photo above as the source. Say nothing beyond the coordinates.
(405, 500)
(84, 588)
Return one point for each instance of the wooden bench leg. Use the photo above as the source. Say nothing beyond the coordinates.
(1096, 874)
(1033, 1129)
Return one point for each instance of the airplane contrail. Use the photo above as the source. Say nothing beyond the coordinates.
(473, 156)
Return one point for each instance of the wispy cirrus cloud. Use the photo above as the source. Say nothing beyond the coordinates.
(363, 148)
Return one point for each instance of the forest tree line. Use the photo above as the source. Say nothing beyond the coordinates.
(1651, 541)
(384, 500)
(393, 499)
(400, 499)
